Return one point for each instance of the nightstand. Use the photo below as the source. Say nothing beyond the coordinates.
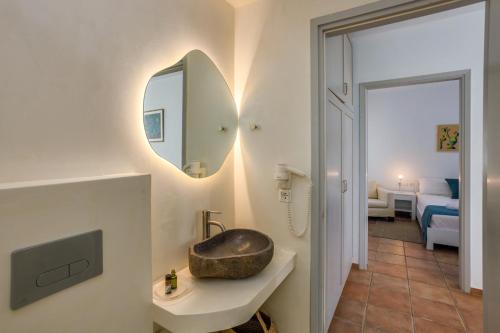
(405, 202)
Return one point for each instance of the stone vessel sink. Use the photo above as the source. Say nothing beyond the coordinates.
(232, 254)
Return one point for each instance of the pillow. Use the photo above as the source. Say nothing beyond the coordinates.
(454, 187)
(435, 186)
(372, 190)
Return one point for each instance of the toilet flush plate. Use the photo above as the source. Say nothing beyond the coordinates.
(41, 270)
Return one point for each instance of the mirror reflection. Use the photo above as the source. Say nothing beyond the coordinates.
(190, 117)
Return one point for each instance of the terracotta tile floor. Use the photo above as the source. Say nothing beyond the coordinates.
(407, 289)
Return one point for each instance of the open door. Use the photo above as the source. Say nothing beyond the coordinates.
(492, 209)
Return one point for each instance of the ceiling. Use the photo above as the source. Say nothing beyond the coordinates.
(239, 3)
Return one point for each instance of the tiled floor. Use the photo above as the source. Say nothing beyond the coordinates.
(406, 289)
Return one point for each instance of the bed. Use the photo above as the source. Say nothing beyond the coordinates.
(443, 229)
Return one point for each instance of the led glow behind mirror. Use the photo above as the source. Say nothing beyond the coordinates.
(190, 117)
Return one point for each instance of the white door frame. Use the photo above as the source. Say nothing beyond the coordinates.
(464, 78)
(375, 14)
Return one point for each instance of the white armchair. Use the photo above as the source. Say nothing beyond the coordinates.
(380, 201)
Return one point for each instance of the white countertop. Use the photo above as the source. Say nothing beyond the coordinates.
(60, 181)
(218, 304)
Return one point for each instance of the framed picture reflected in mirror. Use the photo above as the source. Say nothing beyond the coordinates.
(153, 125)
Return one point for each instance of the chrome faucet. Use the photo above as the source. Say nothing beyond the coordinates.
(207, 222)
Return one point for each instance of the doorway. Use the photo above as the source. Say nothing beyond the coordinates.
(380, 13)
(463, 78)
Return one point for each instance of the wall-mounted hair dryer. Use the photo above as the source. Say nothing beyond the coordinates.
(283, 174)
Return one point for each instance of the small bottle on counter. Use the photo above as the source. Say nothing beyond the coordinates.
(173, 279)
(168, 284)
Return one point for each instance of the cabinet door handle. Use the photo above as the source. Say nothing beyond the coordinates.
(344, 186)
(346, 88)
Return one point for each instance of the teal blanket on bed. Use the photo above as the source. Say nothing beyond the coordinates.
(434, 210)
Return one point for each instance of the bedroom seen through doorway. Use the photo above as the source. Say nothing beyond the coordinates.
(413, 163)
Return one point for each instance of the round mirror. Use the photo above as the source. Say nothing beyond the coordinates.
(190, 116)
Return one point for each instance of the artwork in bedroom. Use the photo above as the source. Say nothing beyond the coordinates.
(448, 137)
(153, 124)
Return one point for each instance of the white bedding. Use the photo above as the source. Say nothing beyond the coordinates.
(437, 221)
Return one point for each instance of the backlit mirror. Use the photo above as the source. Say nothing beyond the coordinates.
(190, 117)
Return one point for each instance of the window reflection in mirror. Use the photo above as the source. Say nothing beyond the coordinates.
(190, 117)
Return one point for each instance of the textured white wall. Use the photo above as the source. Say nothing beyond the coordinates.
(402, 126)
(443, 42)
(273, 88)
(80, 113)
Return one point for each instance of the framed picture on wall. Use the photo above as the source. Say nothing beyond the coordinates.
(153, 125)
(448, 137)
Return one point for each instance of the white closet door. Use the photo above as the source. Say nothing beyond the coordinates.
(334, 63)
(333, 241)
(347, 196)
(348, 71)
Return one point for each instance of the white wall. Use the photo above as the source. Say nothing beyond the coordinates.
(118, 300)
(80, 113)
(165, 92)
(402, 125)
(273, 89)
(437, 43)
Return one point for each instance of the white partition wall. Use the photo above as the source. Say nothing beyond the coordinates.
(119, 300)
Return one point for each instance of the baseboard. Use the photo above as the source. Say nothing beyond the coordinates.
(476, 292)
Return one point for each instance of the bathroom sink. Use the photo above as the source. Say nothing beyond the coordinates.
(232, 254)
